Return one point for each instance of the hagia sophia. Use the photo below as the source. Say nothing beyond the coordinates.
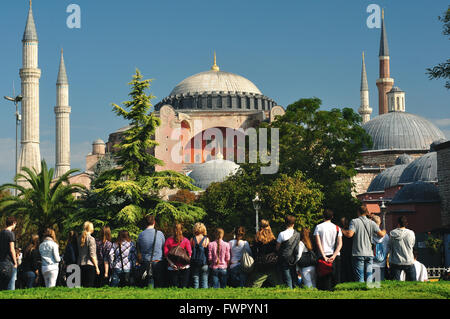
(407, 168)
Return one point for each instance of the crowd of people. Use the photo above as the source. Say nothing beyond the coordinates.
(357, 251)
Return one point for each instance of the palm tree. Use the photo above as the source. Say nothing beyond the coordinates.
(46, 203)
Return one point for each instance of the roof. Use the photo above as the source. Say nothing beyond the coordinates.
(212, 171)
(364, 83)
(402, 131)
(386, 179)
(422, 169)
(62, 74)
(30, 33)
(417, 192)
(215, 81)
(384, 46)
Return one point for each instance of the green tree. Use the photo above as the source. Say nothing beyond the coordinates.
(442, 70)
(46, 203)
(123, 195)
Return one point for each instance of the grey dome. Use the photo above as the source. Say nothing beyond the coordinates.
(213, 171)
(99, 142)
(422, 169)
(417, 192)
(404, 159)
(215, 81)
(402, 131)
(386, 179)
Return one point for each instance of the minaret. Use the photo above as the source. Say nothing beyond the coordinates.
(30, 155)
(62, 112)
(384, 83)
(365, 110)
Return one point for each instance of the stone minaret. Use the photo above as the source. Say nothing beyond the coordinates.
(62, 112)
(365, 111)
(30, 155)
(384, 83)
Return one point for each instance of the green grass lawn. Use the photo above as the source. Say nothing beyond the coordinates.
(388, 290)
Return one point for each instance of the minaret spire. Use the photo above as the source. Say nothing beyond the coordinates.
(62, 113)
(365, 111)
(30, 74)
(385, 82)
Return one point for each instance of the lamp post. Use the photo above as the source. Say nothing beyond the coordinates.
(16, 101)
(383, 214)
(257, 205)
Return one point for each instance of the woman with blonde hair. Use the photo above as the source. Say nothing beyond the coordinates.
(266, 258)
(219, 258)
(87, 258)
(178, 259)
(199, 260)
(49, 251)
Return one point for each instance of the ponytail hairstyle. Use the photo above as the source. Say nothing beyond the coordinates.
(265, 234)
(218, 236)
(305, 237)
(240, 233)
(178, 233)
(88, 227)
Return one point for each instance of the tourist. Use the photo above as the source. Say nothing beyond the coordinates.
(122, 259)
(421, 270)
(199, 260)
(308, 272)
(265, 272)
(328, 238)
(287, 242)
(8, 260)
(178, 259)
(150, 249)
(50, 258)
(401, 246)
(31, 263)
(362, 229)
(103, 247)
(71, 252)
(346, 253)
(237, 247)
(87, 258)
(219, 258)
(380, 253)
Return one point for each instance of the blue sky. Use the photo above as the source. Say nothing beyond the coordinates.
(289, 49)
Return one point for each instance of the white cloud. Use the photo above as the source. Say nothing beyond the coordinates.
(442, 122)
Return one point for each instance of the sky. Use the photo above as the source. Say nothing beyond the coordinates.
(290, 49)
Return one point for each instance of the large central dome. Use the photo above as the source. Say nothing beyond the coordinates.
(216, 90)
(215, 81)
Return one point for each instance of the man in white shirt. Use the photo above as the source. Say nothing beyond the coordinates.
(328, 238)
(421, 270)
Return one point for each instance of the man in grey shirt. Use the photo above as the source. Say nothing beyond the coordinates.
(362, 229)
(401, 251)
(146, 246)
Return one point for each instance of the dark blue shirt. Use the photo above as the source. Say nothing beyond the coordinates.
(145, 244)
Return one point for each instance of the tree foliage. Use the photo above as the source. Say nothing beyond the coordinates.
(47, 203)
(121, 196)
(442, 70)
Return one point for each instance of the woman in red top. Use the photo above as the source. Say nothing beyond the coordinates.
(178, 271)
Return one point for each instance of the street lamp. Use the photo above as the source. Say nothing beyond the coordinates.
(16, 101)
(383, 213)
(257, 206)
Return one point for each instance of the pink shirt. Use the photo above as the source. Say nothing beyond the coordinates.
(170, 243)
(224, 256)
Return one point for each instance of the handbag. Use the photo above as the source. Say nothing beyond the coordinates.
(148, 273)
(307, 259)
(247, 262)
(178, 255)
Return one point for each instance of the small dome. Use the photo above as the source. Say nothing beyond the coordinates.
(212, 171)
(386, 179)
(99, 142)
(395, 89)
(417, 192)
(404, 159)
(402, 131)
(215, 81)
(422, 169)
